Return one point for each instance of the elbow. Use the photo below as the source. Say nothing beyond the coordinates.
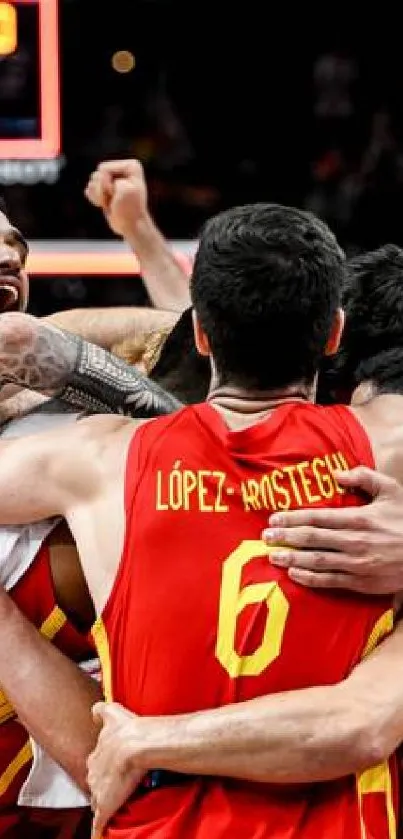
(371, 741)
(371, 751)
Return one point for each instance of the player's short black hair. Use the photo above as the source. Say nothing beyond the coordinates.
(266, 285)
(180, 369)
(372, 344)
(3, 206)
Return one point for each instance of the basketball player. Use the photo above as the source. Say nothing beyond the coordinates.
(310, 735)
(266, 285)
(39, 564)
(257, 739)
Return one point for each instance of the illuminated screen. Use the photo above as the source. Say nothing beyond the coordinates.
(29, 79)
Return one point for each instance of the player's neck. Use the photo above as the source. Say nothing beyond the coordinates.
(242, 407)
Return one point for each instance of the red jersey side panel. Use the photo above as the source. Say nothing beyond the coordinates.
(199, 618)
(34, 595)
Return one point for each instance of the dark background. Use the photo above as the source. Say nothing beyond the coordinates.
(225, 106)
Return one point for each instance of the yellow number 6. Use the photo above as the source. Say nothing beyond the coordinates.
(233, 600)
(8, 28)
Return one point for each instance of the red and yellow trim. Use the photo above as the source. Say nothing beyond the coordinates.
(100, 637)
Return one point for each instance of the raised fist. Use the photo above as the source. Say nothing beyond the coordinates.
(118, 187)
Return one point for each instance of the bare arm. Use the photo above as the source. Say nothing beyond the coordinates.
(109, 326)
(165, 280)
(51, 696)
(38, 356)
(118, 188)
(76, 473)
(309, 735)
(48, 474)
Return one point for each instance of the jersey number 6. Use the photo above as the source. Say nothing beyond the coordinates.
(233, 599)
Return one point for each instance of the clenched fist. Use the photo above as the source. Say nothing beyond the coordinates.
(118, 187)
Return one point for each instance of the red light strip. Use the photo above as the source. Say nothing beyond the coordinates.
(48, 146)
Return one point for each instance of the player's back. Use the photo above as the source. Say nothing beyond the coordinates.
(199, 618)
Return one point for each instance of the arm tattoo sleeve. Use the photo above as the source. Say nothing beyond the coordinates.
(85, 376)
(100, 381)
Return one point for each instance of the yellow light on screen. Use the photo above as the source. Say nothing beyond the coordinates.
(123, 61)
(8, 29)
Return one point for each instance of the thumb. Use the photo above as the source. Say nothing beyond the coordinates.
(368, 481)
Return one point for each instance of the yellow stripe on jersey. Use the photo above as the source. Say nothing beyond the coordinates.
(13, 768)
(100, 637)
(53, 623)
(383, 627)
(378, 779)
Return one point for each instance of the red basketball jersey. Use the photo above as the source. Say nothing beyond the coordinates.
(198, 617)
(34, 595)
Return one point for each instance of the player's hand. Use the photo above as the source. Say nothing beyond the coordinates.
(356, 548)
(118, 187)
(113, 773)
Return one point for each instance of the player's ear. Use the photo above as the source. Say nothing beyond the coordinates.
(336, 332)
(201, 340)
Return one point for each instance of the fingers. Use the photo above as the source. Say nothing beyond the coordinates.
(331, 579)
(372, 483)
(121, 168)
(348, 539)
(320, 561)
(99, 189)
(336, 518)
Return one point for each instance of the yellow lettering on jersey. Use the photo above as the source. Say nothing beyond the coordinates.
(299, 485)
(209, 491)
(183, 489)
(324, 479)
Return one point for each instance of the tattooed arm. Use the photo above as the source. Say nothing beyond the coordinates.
(38, 356)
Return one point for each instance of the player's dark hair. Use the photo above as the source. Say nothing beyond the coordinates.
(180, 369)
(3, 206)
(372, 344)
(266, 285)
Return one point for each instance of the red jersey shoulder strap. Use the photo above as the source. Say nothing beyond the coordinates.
(144, 441)
(351, 426)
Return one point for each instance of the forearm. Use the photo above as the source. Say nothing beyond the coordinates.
(311, 735)
(41, 357)
(301, 736)
(110, 326)
(167, 284)
(51, 696)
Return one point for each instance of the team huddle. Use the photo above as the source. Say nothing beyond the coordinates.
(193, 685)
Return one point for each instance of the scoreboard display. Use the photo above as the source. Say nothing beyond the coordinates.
(29, 80)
